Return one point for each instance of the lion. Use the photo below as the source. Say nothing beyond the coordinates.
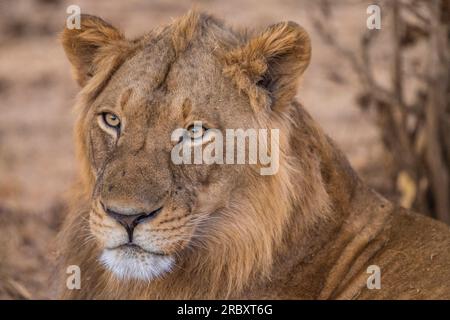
(142, 227)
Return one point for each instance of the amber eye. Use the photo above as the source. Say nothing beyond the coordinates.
(196, 132)
(111, 120)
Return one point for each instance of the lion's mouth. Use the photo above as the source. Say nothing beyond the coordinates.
(137, 248)
(131, 261)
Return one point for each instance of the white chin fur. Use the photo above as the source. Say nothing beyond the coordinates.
(128, 263)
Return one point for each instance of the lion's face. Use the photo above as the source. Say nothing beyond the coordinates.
(147, 210)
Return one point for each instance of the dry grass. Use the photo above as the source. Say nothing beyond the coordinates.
(26, 253)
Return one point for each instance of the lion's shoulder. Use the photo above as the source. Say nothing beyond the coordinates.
(414, 261)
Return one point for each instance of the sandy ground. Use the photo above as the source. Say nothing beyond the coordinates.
(37, 92)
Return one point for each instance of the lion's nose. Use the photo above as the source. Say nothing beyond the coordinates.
(130, 221)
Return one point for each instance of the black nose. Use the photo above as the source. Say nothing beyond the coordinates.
(130, 221)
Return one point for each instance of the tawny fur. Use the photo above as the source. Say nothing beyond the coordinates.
(308, 232)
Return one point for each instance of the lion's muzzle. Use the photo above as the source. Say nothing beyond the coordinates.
(130, 221)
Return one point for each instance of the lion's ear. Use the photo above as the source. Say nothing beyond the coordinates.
(274, 60)
(83, 45)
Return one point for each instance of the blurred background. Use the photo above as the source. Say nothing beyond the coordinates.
(382, 95)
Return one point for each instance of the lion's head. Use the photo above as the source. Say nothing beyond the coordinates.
(153, 220)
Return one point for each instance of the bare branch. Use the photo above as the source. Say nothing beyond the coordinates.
(414, 9)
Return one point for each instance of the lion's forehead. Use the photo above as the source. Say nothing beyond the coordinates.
(160, 90)
(157, 66)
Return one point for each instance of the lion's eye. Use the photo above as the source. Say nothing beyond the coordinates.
(196, 131)
(111, 120)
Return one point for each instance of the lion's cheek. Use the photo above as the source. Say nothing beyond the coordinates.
(166, 243)
(106, 234)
